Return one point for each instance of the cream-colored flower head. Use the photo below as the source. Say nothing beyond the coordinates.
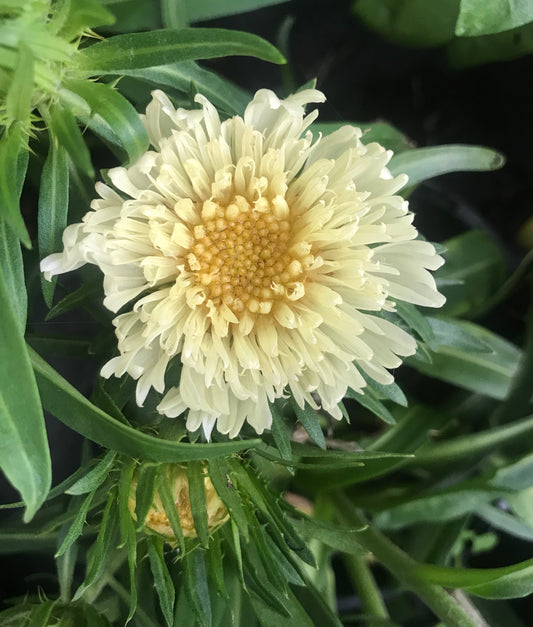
(257, 255)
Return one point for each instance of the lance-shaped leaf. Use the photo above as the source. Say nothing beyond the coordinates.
(24, 455)
(117, 114)
(13, 272)
(139, 50)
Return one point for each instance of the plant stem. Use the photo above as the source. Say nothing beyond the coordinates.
(404, 568)
(367, 590)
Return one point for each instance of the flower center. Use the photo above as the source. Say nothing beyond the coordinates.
(242, 254)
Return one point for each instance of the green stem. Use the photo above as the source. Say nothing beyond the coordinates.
(367, 590)
(404, 568)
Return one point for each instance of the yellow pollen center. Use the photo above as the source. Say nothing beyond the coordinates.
(243, 256)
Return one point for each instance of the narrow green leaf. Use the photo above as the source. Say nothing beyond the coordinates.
(416, 321)
(162, 579)
(78, 298)
(115, 111)
(53, 208)
(139, 50)
(515, 476)
(311, 423)
(65, 130)
(425, 163)
(215, 566)
(76, 528)
(477, 17)
(169, 505)
(223, 94)
(20, 91)
(14, 154)
(210, 9)
(13, 271)
(174, 14)
(281, 433)
(82, 15)
(196, 477)
(509, 582)
(95, 477)
(73, 409)
(144, 495)
(336, 537)
(127, 530)
(24, 454)
(229, 495)
(66, 562)
(500, 519)
(391, 391)
(368, 399)
(40, 615)
(196, 587)
(100, 550)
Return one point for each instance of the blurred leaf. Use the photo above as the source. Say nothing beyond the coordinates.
(452, 333)
(422, 164)
(473, 271)
(488, 373)
(64, 129)
(114, 110)
(196, 587)
(20, 91)
(434, 507)
(53, 208)
(140, 50)
(13, 272)
(174, 13)
(509, 582)
(477, 17)
(78, 413)
(385, 134)
(14, 155)
(82, 15)
(471, 51)
(504, 521)
(515, 476)
(95, 477)
(210, 9)
(413, 23)
(218, 90)
(24, 454)
(162, 580)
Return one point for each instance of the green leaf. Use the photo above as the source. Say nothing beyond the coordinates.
(79, 298)
(416, 321)
(174, 14)
(64, 129)
(76, 528)
(487, 373)
(14, 154)
(368, 399)
(144, 495)
(20, 91)
(73, 409)
(477, 17)
(336, 537)
(391, 391)
(168, 501)
(210, 9)
(66, 563)
(196, 587)
(53, 208)
(509, 582)
(310, 422)
(139, 50)
(127, 530)
(162, 580)
(101, 549)
(116, 112)
(516, 476)
(384, 134)
(471, 51)
(422, 164)
(413, 23)
(13, 272)
(447, 505)
(82, 15)
(196, 477)
(473, 271)
(500, 519)
(229, 495)
(24, 454)
(281, 433)
(223, 94)
(95, 477)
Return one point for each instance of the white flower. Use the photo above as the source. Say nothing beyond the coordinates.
(256, 254)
